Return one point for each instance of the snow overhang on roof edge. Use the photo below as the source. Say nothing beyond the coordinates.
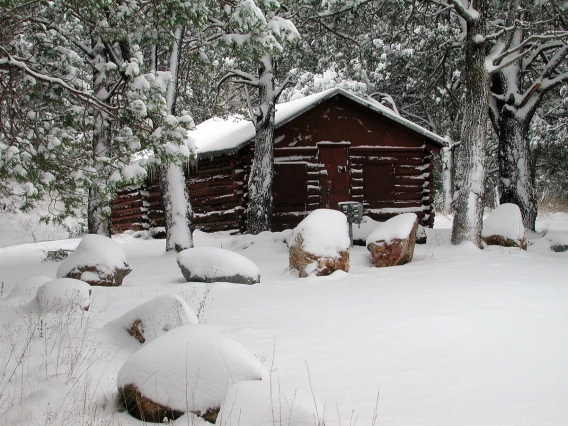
(318, 98)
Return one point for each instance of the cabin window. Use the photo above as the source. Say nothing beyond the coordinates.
(378, 182)
(290, 183)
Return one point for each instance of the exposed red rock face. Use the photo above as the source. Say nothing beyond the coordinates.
(307, 263)
(144, 408)
(499, 240)
(395, 252)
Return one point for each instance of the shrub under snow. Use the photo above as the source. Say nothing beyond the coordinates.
(155, 318)
(26, 290)
(97, 260)
(261, 403)
(187, 369)
(212, 264)
(63, 293)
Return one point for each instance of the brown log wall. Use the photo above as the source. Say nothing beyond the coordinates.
(129, 210)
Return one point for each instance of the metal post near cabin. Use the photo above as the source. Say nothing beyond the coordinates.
(354, 213)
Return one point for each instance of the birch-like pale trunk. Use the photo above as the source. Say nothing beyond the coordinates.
(516, 168)
(259, 212)
(470, 170)
(447, 156)
(171, 176)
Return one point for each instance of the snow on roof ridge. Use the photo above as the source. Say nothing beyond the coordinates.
(217, 135)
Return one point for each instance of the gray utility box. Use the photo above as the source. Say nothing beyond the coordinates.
(354, 213)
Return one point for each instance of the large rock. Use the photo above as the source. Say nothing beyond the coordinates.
(504, 227)
(212, 264)
(262, 403)
(154, 318)
(320, 244)
(97, 260)
(187, 370)
(392, 243)
(63, 293)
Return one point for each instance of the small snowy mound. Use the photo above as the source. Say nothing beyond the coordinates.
(63, 293)
(155, 318)
(504, 227)
(97, 260)
(256, 403)
(320, 243)
(26, 290)
(212, 264)
(392, 243)
(188, 369)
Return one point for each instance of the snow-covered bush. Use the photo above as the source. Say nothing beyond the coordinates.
(212, 264)
(186, 370)
(63, 293)
(155, 318)
(26, 290)
(320, 243)
(97, 260)
(261, 403)
(504, 227)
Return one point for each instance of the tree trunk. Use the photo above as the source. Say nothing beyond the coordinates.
(447, 155)
(259, 212)
(177, 209)
(171, 177)
(470, 179)
(516, 167)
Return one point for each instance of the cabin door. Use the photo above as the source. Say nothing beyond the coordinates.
(334, 178)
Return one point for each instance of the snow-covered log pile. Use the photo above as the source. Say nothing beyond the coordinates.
(154, 318)
(186, 370)
(97, 260)
(504, 227)
(320, 244)
(212, 264)
(392, 243)
(261, 403)
(63, 293)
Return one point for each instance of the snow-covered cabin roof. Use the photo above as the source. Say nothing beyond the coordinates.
(218, 135)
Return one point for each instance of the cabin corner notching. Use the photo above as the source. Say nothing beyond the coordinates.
(329, 147)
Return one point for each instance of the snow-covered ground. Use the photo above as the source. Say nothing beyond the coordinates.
(459, 336)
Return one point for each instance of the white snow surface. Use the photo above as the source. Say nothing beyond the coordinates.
(94, 250)
(26, 290)
(213, 262)
(219, 135)
(396, 227)
(190, 368)
(62, 293)
(459, 336)
(156, 317)
(505, 220)
(324, 232)
(262, 403)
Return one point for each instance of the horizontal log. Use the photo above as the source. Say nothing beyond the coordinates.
(129, 219)
(203, 210)
(128, 204)
(217, 217)
(127, 212)
(394, 205)
(219, 200)
(196, 191)
(219, 226)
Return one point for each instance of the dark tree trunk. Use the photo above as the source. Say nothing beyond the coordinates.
(259, 212)
(470, 170)
(516, 166)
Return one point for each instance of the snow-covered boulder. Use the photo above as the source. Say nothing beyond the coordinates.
(188, 369)
(26, 290)
(212, 264)
(155, 318)
(504, 227)
(97, 260)
(261, 403)
(392, 243)
(320, 244)
(63, 293)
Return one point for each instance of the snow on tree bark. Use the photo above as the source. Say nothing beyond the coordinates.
(470, 176)
(171, 176)
(259, 212)
(516, 166)
(447, 155)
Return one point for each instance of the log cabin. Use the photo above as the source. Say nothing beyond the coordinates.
(329, 147)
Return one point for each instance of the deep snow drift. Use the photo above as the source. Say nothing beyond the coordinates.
(459, 336)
